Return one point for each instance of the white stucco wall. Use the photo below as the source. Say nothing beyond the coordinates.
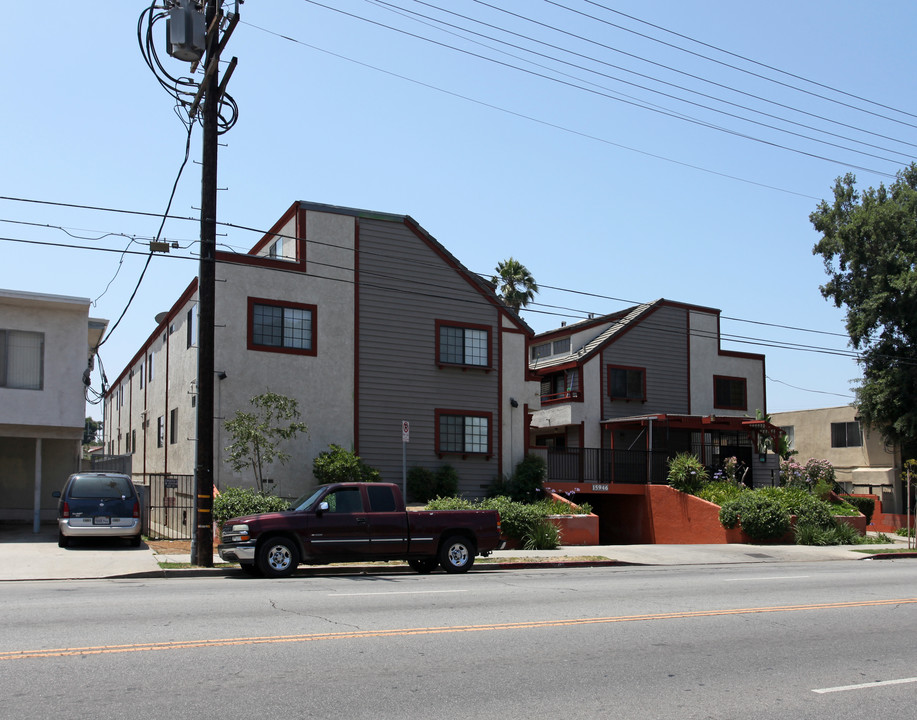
(707, 361)
(323, 384)
(60, 404)
(515, 387)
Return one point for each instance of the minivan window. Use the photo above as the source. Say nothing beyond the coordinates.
(100, 487)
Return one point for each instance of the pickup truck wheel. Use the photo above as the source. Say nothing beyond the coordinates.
(456, 554)
(424, 565)
(278, 557)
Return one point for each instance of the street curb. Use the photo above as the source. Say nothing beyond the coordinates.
(379, 570)
(892, 556)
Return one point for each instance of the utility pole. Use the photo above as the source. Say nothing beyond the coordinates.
(206, 288)
(195, 30)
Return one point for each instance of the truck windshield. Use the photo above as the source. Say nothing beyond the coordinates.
(306, 501)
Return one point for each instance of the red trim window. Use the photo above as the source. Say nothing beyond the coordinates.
(627, 383)
(730, 393)
(461, 432)
(281, 326)
(463, 345)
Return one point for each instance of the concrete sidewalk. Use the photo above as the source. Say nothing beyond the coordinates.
(28, 556)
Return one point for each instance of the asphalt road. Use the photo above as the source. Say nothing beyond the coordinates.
(783, 640)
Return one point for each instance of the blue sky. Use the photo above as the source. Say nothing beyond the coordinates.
(560, 165)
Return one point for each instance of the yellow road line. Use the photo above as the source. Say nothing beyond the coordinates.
(407, 632)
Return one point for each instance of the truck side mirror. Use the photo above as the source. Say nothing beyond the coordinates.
(322, 506)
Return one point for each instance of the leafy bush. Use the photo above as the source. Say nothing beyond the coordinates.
(424, 484)
(903, 532)
(762, 517)
(553, 506)
(235, 502)
(720, 492)
(525, 484)
(865, 505)
(686, 473)
(807, 508)
(544, 536)
(817, 476)
(518, 519)
(839, 533)
(420, 484)
(339, 465)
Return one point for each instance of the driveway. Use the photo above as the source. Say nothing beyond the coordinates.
(25, 555)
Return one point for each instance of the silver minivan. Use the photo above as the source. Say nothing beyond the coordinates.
(98, 504)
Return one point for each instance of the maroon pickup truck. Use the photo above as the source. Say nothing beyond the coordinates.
(357, 522)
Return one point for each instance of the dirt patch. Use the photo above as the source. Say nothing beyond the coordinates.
(170, 547)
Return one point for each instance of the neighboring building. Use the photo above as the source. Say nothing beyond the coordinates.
(622, 393)
(367, 321)
(863, 462)
(46, 351)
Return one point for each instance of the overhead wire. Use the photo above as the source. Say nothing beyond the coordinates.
(754, 62)
(149, 258)
(420, 265)
(533, 119)
(658, 80)
(397, 285)
(599, 93)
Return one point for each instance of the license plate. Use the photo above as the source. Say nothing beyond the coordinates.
(101, 520)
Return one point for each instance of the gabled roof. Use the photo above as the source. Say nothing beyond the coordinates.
(480, 284)
(620, 323)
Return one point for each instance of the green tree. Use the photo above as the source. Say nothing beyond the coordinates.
(91, 431)
(515, 283)
(257, 435)
(869, 248)
(337, 465)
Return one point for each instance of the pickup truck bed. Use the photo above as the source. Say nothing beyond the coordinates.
(358, 522)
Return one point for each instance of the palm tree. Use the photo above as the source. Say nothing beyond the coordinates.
(515, 284)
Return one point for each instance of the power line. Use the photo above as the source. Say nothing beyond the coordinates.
(416, 263)
(530, 118)
(820, 392)
(664, 82)
(165, 215)
(755, 62)
(668, 113)
(397, 285)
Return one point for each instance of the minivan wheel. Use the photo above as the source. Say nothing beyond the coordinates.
(62, 540)
(278, 557)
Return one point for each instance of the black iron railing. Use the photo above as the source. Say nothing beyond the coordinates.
(595, 465)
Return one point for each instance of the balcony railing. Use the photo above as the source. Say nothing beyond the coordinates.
(595, 465)
(559, 396)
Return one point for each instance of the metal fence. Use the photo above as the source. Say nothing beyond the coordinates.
(169, 506)
(111, 463)
(594, 465)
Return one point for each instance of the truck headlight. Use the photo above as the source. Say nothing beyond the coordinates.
(236, 533)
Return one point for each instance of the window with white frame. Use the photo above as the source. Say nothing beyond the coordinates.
(464, 345)
(281, 326)
(462, 433)
(22, 359)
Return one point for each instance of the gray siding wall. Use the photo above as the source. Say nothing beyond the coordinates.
(404, 288)
(659, 344)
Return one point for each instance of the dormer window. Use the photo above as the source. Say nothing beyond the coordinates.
(541, 351)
